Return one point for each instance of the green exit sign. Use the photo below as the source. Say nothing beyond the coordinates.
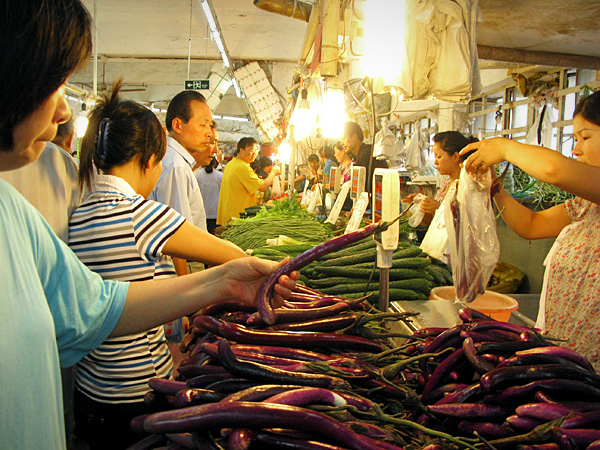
(197, 84)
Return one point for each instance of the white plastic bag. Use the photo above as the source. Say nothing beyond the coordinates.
(384, 141)
(435, 242)
(416, 214)
(472, 239)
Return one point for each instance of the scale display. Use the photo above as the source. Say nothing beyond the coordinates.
(326, 178)
(334, 180)
(358, 182)
(377, 196)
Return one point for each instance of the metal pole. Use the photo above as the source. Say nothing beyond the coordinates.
(292, 170)
(95, 70)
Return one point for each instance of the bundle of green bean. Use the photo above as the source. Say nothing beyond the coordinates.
(253, 233)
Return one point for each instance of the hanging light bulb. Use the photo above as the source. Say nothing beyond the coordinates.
(82, 122)
(303, 118)
(333, 116)
(285, 151)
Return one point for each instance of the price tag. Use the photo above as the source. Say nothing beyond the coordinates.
(360, 206)
(339, 202)
(315, 199)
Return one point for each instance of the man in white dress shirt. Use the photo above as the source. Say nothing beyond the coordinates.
(189, 120)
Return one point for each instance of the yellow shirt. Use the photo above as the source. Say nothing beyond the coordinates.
(238, 190)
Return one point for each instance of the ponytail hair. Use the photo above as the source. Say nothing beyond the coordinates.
(453, 142)
(118, 131)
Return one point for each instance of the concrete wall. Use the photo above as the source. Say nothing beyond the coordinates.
(527, 255)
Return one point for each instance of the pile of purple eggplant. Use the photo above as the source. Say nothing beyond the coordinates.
(300, 383)
(506, 384)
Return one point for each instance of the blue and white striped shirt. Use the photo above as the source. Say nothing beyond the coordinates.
(120, 235)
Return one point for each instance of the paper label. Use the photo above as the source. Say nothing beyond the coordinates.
(339, 202)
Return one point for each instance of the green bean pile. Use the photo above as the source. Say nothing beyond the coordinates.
(253, 233)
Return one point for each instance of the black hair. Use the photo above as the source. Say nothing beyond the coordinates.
(119, 130)
(352, 128)
(265, 161)
(589, 108)
(313, 157)
(66, 129)
(179, 107)
(329, 153)
(453, 142)
(42, 42)
(243, 143)
(212, 165)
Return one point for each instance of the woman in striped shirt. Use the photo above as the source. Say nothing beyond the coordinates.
(121, 235)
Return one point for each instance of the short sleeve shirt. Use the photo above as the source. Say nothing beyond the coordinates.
(238, 190)
(177, 186)
(573, 298)
(54, 311)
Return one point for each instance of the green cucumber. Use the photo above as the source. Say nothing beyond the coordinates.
(394, 295)
(411, 263)
(350, 250)
(414, 284)
(395, 274)
(332, 281)
(356, 258)
(438, 277)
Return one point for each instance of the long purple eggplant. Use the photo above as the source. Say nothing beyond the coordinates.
(280, 441)
(213, 350)
(498, 378)
(232, 385)
(324, 324)
(543, 411)
(477, 362)
(303, 397)
(255, 371)
(240, 439)
(568, 388)
(441, 372)
(523, 423)
(165, 386)
(590, 419)
(194, 370)
(216, 416)
(471, 411)
(560, 352)
(226, 306)
(190, 397)
(298, 315)
(581, 437)
(490, 430)
(207, 323)
(298, 339)
(263, 299)
(283, 352)
(261, 392)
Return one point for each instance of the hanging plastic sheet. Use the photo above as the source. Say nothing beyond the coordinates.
(540, 132)
(384, 141)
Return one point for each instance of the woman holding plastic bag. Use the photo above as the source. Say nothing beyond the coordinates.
(569, 306)
(446, 148)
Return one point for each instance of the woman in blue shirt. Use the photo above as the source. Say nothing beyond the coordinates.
(53, 309)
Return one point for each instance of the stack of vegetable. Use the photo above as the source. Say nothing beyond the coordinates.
(284, 218)
(352, 272)
(319, 373)
(505, 383)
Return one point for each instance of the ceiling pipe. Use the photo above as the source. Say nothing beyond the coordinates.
(517, 55)
(288, 8)
(329, 43)
(311, 32)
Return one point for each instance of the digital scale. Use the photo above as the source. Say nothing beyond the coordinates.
(386, 207)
